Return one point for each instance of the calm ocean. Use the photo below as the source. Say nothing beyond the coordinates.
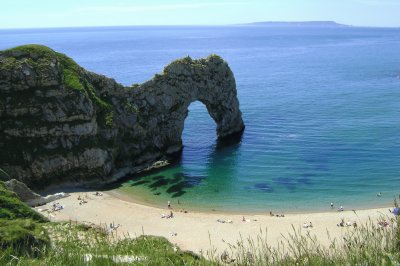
(321, 108)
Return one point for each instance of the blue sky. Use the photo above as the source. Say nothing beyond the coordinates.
(68, 13)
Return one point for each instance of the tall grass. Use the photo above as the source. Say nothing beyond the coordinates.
(368, 244)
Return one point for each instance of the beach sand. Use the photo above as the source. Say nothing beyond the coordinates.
(201, 232)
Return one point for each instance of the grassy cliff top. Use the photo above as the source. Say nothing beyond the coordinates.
(43, 58)
(33, 50)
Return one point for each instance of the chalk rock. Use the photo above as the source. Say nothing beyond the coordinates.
(60, 123)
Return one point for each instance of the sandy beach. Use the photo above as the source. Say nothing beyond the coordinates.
(201, 232)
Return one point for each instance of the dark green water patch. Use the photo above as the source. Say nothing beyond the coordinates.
(262, 187)
(289, 183)
(173, 184)
(162, 182)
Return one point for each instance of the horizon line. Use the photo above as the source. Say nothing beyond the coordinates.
(255, 23)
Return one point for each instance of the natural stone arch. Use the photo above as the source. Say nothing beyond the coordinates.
(61, 123)
(183, 82)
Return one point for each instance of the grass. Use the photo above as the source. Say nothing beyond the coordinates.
(23, 236)
(74, 78)
(34, 50)
(86, 245)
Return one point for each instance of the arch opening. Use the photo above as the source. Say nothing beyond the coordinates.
(199, 132)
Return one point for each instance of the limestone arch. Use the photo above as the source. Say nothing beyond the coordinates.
(209, 81)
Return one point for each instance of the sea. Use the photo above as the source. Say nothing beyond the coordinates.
(321, 107)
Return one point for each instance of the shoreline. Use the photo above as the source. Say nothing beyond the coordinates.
(207, 210)
(201, 231)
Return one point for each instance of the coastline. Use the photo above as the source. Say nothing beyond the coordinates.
(201, 232)
(208, 210)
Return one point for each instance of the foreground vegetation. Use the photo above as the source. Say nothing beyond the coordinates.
(26, 238)
(369, 244)
(87, 245)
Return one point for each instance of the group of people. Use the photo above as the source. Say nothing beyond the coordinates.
(81, 200)
(222, 221)
(57, 207)
(340, 209)
(307, 225)
(276, 215)
(348, 223)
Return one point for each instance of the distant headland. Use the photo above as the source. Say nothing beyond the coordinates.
(327, 24)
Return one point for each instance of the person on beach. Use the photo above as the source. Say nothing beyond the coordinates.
(307, 225)
(332, 205)
(169, 205)
(341, 224)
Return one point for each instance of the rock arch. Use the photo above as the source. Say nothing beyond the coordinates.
(61, 123)
(184, 81)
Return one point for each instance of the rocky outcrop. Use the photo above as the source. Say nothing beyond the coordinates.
(28, 196)
(61, 123)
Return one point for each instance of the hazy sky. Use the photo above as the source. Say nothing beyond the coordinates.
(65, 13)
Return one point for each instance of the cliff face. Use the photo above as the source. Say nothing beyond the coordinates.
(61, 123)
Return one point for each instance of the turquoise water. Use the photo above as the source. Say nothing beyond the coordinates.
(321, 108)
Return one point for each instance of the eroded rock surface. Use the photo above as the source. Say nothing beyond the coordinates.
(61, 123)
(28, 196)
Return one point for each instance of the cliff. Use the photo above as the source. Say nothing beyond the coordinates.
(61, 123)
